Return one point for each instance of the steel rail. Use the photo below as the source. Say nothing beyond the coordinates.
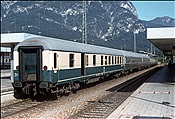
(18, 107)
(104, 106)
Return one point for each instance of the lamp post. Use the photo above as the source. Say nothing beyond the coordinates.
(39, 33)
(135, 32)
(124, 39)
(151, 49)
(134, 42)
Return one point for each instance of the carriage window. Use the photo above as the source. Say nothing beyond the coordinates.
(115, 60)
(121, 60)
(55, 60)
(112, 59)
(71, 60)
(109, 59)
(106, 60)
(86, 60)
(118, 60)
(94, 60)
(101, 60)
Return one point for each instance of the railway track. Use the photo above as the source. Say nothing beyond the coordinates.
(18, 107)
(95, 109)
(104, 106)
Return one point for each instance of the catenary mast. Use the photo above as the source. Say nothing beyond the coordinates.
(84, 31)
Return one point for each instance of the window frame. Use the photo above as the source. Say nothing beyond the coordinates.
(106, 60)
(101, 59)
(109, 60)
(94, 60)
(55, 60)
(71, 60)
(86, 60)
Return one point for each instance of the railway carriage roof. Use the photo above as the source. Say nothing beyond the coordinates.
(133, 54)
(69, 46)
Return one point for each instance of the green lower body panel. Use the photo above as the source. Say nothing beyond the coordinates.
(90, 72)
(69, 73)
(73, 74)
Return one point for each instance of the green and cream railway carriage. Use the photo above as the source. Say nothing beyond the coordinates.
(47, 65)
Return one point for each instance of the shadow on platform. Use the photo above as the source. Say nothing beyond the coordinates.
(160, 103)
(164, 75)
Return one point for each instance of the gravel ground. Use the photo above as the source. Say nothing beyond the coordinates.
(10, 102)
(65, 106)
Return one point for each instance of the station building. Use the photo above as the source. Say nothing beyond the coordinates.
(8, 42)
(164, 39)
(5, 57)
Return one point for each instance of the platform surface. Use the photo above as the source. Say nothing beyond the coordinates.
(6, 83)
(155, 99)
(5, 73)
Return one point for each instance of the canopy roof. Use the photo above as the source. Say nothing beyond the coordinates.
(163, 38)
(14, 38)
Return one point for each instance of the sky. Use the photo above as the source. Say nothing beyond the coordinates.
(148, 10)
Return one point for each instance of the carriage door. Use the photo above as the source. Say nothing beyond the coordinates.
(82, 64)
(30, 63)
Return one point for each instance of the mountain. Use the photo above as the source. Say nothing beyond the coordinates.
(160, 22)
(167, 21)
(109, 23)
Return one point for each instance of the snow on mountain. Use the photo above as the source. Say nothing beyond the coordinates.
(160, 22)
(167, 21)
(130, 7)
(113, 14)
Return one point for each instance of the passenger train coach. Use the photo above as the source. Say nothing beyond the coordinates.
(46, 65)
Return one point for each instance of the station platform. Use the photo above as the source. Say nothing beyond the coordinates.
(155, 99)
(5, 73)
